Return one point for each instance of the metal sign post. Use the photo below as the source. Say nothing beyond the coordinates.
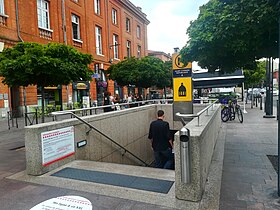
(278, 183)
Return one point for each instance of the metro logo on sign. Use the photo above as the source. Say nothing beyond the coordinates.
(177, 64)
(182, 89)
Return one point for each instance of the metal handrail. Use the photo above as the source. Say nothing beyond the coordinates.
(95, 108)
(92, 127)
(182, 116)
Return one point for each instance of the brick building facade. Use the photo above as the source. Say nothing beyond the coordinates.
(110, 30)
(159, 54)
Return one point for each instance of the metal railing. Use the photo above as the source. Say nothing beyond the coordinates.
(115, 107)
(206, 109)
(12, 119)
(109, 138)
(31, 117)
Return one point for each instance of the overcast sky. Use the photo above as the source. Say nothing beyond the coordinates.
(169, 21)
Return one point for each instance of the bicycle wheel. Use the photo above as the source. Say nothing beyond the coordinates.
(225, 114)
(239, 115)
(231, 113)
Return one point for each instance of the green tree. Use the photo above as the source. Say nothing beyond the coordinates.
(143, 73)
(231, 34)
(43, 65)
(255, 77)
(165, 75)
(123, 71)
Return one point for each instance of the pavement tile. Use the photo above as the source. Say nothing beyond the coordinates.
(256, 206)
(233, 205)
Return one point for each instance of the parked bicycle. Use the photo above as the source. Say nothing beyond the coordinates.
(230, 109)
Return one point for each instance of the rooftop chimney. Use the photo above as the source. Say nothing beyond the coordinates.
(176, 49)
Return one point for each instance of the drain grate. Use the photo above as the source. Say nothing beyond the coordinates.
(134, 182)
(274, 161)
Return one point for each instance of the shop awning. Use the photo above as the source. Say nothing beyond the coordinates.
(216, 79)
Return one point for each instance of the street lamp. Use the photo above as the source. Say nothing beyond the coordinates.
(278, 108)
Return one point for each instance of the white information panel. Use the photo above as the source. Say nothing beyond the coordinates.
(57, 145)
(64, 203)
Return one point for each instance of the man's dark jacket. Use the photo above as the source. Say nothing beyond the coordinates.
(160, 135)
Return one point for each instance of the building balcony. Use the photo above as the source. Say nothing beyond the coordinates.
(3, 20)
(77, 43)
(45, 33)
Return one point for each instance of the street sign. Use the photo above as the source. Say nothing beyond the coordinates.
(182, 89)
(182, 73)
(182, 79)
(95, 75)
(177, 64)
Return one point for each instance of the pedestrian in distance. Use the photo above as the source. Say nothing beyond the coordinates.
(117, 101)
(107, 101)
(159, 134)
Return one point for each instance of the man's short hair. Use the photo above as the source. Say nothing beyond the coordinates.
(160, 113)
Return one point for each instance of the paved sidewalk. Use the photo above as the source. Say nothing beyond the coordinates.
(248, 180)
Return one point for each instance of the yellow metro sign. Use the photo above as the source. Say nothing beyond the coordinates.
(177, 64)
(182, 89)
(182, 80)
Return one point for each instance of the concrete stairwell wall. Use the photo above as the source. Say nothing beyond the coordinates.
(202, 143)
(128, 128)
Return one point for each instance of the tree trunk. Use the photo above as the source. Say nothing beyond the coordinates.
(43, 104)
(24, 99)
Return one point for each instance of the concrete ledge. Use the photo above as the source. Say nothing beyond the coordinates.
(202, 143)
(211, 196)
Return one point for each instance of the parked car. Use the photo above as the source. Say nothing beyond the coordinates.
(256, 93)
(263, 91)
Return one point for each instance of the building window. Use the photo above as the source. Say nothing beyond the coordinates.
(114, 16)
(115, 46)
(97, 7)
(138, 51)
(2, 10)
(138, 32)
(98, 38)
(43, 14)
(76, 27)
(128, 48)
(127, 24)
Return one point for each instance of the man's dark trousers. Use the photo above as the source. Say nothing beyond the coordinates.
(163, 159)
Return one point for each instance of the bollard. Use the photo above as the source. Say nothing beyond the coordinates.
(265, 107)
(185, 155)
(261, 103)
(277, 110)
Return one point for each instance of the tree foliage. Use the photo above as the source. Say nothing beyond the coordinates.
(255, 77)
(145, 72)
(43, 65)
(231, 34)
(166, 75)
